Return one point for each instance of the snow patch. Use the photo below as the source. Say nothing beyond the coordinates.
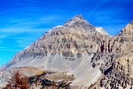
(101, 30)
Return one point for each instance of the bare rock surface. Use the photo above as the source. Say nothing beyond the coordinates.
(96, 59)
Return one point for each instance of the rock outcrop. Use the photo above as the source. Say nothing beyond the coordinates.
(96, 59)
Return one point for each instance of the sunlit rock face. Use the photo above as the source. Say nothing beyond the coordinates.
(128, 28)
(119, 75)
(86, 51)
(63, 43)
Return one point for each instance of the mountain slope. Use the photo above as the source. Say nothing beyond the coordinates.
(79, 48)
(67, 41)
(119, 75)
(67, 48)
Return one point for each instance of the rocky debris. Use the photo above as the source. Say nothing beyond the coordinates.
(76, 36)
(118, 68)
(97, 60)
(120, 77)
(40, 81)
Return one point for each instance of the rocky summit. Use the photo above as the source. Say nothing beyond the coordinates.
(76, 55)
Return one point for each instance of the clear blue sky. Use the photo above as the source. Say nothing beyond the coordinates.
(24, 21)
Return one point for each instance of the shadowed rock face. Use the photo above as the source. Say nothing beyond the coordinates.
(86, 51)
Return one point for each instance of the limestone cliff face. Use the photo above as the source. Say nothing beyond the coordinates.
(118, 69)
(118, 76)
(128, 28)
(96, 59)
(70, 40)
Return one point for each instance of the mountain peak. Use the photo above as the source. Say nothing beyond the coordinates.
(128, 27)
(79, 16)
(80, 23)
(75, 19)
(131, 22)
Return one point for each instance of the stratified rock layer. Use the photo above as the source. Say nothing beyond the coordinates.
(96, 59)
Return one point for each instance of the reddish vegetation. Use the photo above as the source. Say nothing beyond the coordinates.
(18, 81)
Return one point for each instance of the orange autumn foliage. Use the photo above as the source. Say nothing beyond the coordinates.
(18, 81)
